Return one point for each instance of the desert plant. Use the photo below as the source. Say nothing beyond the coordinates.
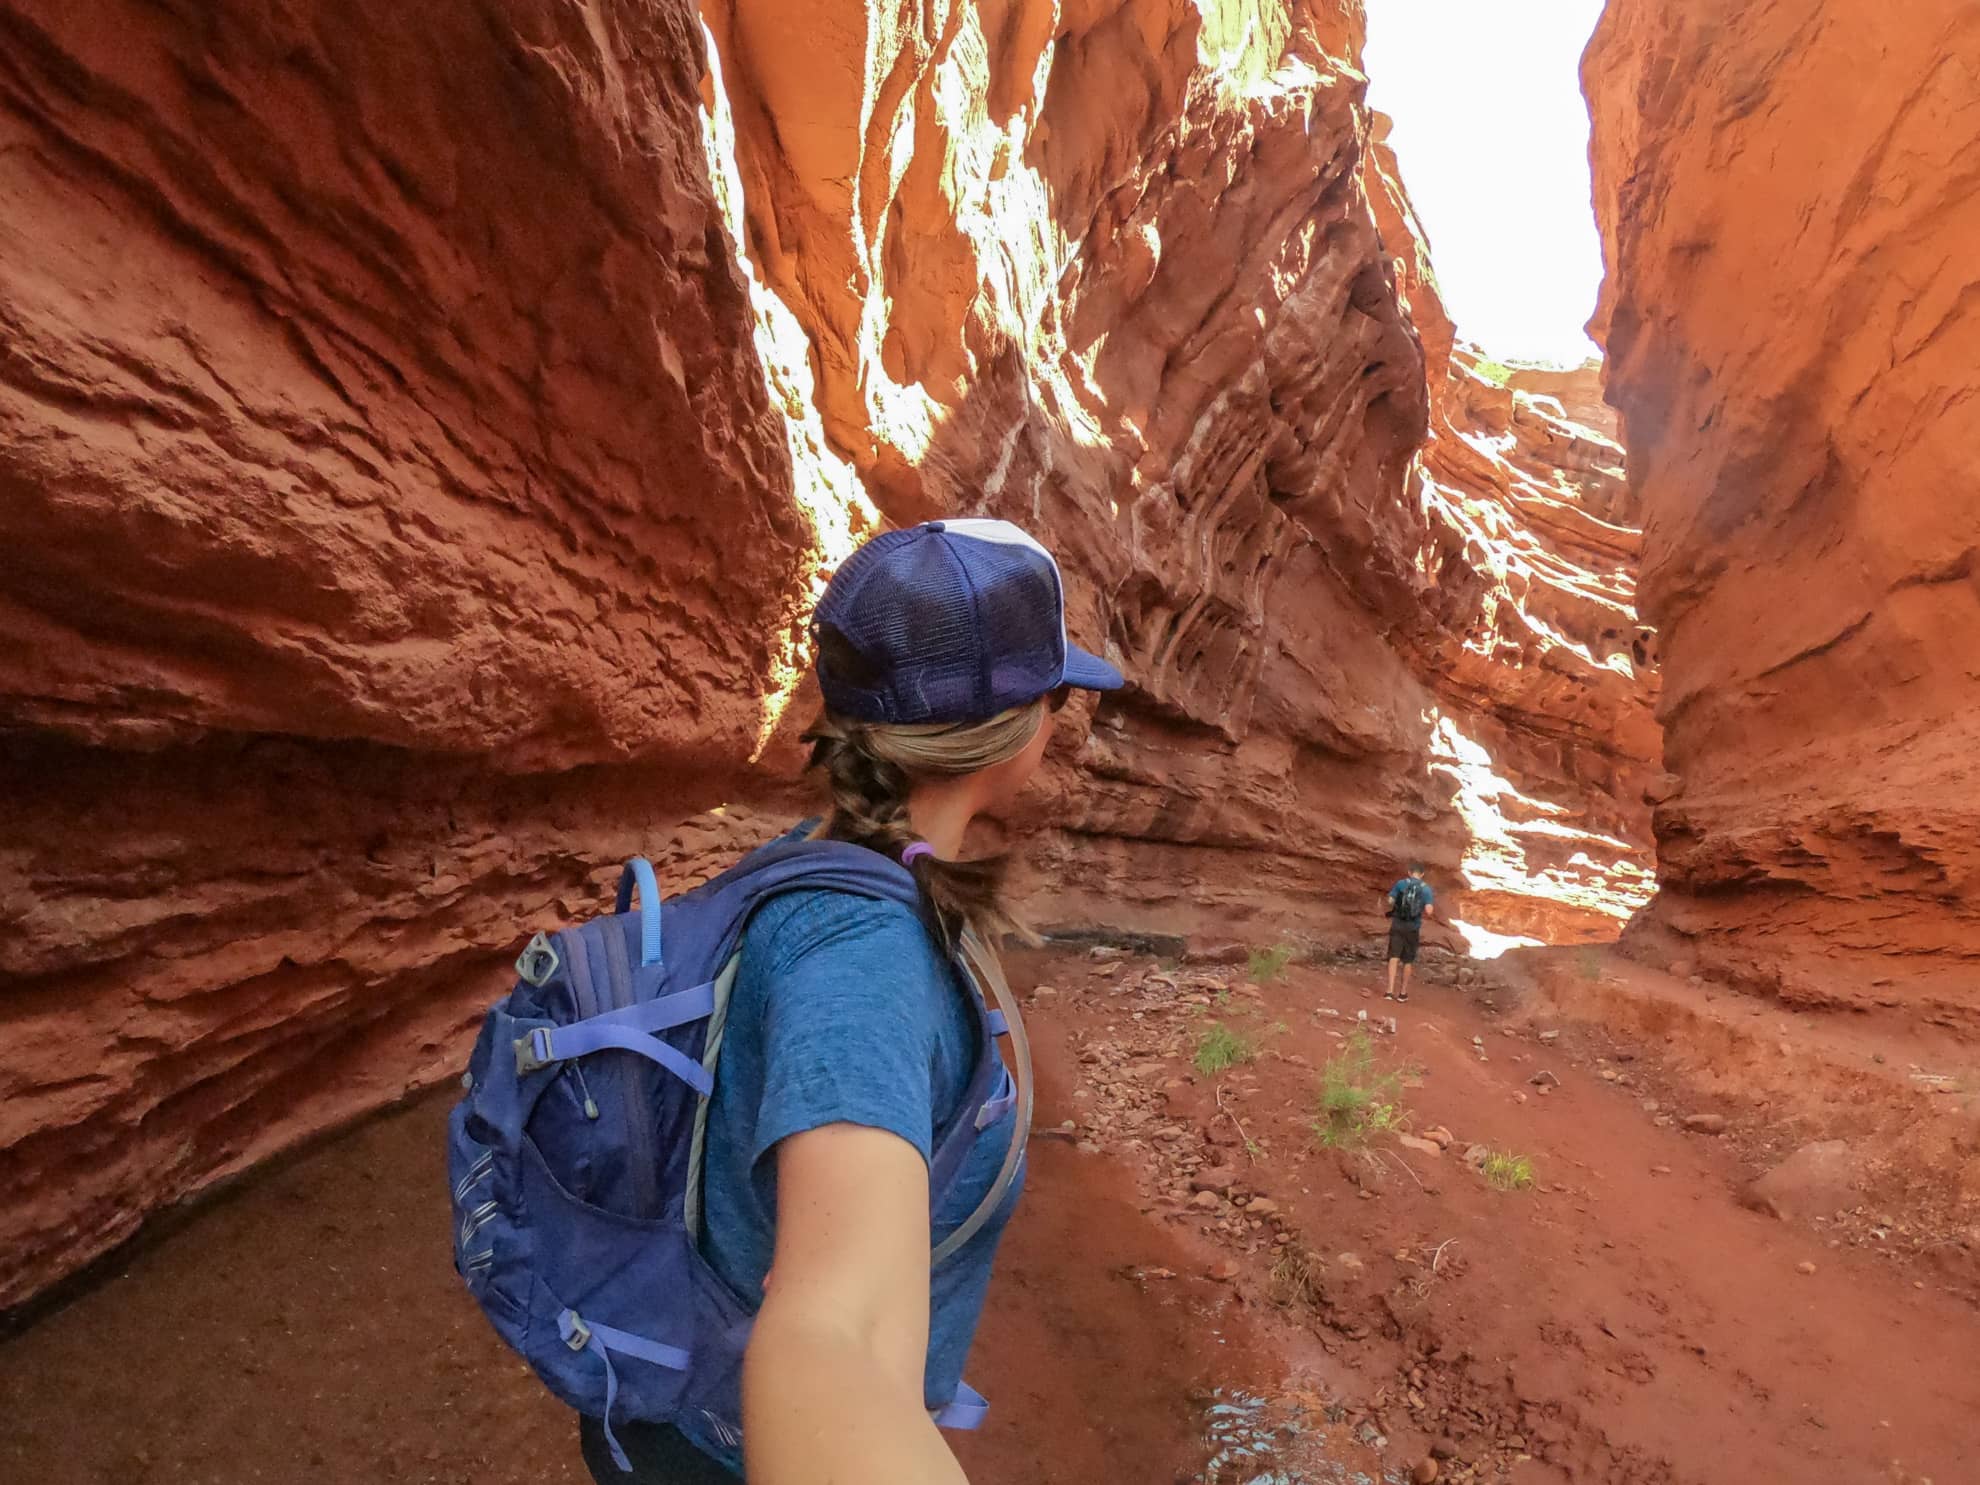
(1356, 1100)
(1588, 960)
(1222, 1049)
(1495, 372)
(1505, 1171)
(1264, 964)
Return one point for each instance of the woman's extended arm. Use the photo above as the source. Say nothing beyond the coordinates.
(833, 1379)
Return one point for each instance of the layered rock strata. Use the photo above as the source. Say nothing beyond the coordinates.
(399, 527)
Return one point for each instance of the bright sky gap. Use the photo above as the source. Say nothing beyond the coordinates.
(1492, 133)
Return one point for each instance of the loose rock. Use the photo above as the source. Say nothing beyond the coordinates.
(1825, 1176)
(1705, 1123)
(1216, 1179)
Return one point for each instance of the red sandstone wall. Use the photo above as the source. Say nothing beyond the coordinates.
(1789, 208)
(382, 448)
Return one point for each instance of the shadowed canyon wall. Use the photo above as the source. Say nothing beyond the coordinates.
(400, 529)
(418, 474)
(1790, 202)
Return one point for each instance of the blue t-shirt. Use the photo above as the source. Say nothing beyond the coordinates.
(1425, 895)
(845, 1012)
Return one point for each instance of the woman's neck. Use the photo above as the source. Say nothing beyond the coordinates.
(940, 811)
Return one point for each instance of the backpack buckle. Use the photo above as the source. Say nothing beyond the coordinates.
(533, 1052)
(579, 1335)
(537, 962)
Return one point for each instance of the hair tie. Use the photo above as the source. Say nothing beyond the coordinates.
(915, 852)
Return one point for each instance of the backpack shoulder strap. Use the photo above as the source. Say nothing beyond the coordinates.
(790, 865)
(984, 969)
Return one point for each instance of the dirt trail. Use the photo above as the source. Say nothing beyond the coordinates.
(1624, 1320)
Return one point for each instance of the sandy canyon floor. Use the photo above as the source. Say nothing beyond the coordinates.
(1198, 1289)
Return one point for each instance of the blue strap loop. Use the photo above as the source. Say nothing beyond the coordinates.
(629, 1030)
(639, 872)
(967, 1411)
(601, 1341)
(998, 1025)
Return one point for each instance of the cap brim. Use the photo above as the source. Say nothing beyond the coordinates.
(1089, 672)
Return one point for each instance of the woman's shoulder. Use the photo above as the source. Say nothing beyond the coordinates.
(824, 924)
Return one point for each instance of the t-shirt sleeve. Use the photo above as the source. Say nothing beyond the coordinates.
(849, 1034)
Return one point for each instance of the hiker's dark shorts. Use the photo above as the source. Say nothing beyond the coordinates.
(1403, 939)
(659, 1455)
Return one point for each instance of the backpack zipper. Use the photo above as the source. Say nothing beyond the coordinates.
(632, 1077)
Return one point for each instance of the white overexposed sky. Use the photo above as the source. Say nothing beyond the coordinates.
(1492, 134)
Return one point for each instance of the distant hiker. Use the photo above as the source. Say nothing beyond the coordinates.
(859, 1136)
(1406, 904)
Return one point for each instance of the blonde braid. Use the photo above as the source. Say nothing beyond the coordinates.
(869, 770)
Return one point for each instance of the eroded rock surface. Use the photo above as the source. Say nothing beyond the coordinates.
(1111, 270)
(383, 449)
(1789, 207)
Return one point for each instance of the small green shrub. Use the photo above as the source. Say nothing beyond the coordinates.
(1264, 964)
(1508, 1172)
(1356, 1101)
(1588, 960)
(1222, 1049)
(1495, 372)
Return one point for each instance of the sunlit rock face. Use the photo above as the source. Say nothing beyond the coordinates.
(1111, 270)
(1543, 678)
(1788, 205)
(1547, 677)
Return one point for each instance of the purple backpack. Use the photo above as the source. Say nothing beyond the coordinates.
(575, 1156)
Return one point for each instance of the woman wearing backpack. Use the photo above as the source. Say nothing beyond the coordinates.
(851, 1035)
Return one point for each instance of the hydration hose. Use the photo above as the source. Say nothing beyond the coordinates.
(985, 969)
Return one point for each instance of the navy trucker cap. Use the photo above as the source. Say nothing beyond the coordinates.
(950, 621)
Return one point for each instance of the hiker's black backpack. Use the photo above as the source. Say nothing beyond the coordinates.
(1410, 898)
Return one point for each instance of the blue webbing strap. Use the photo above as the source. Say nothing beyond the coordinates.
(602, 1340)
(632, 1030)
(967, 1411)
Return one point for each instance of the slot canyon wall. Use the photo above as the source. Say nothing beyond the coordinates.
(417, 476)
(1790, 202)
